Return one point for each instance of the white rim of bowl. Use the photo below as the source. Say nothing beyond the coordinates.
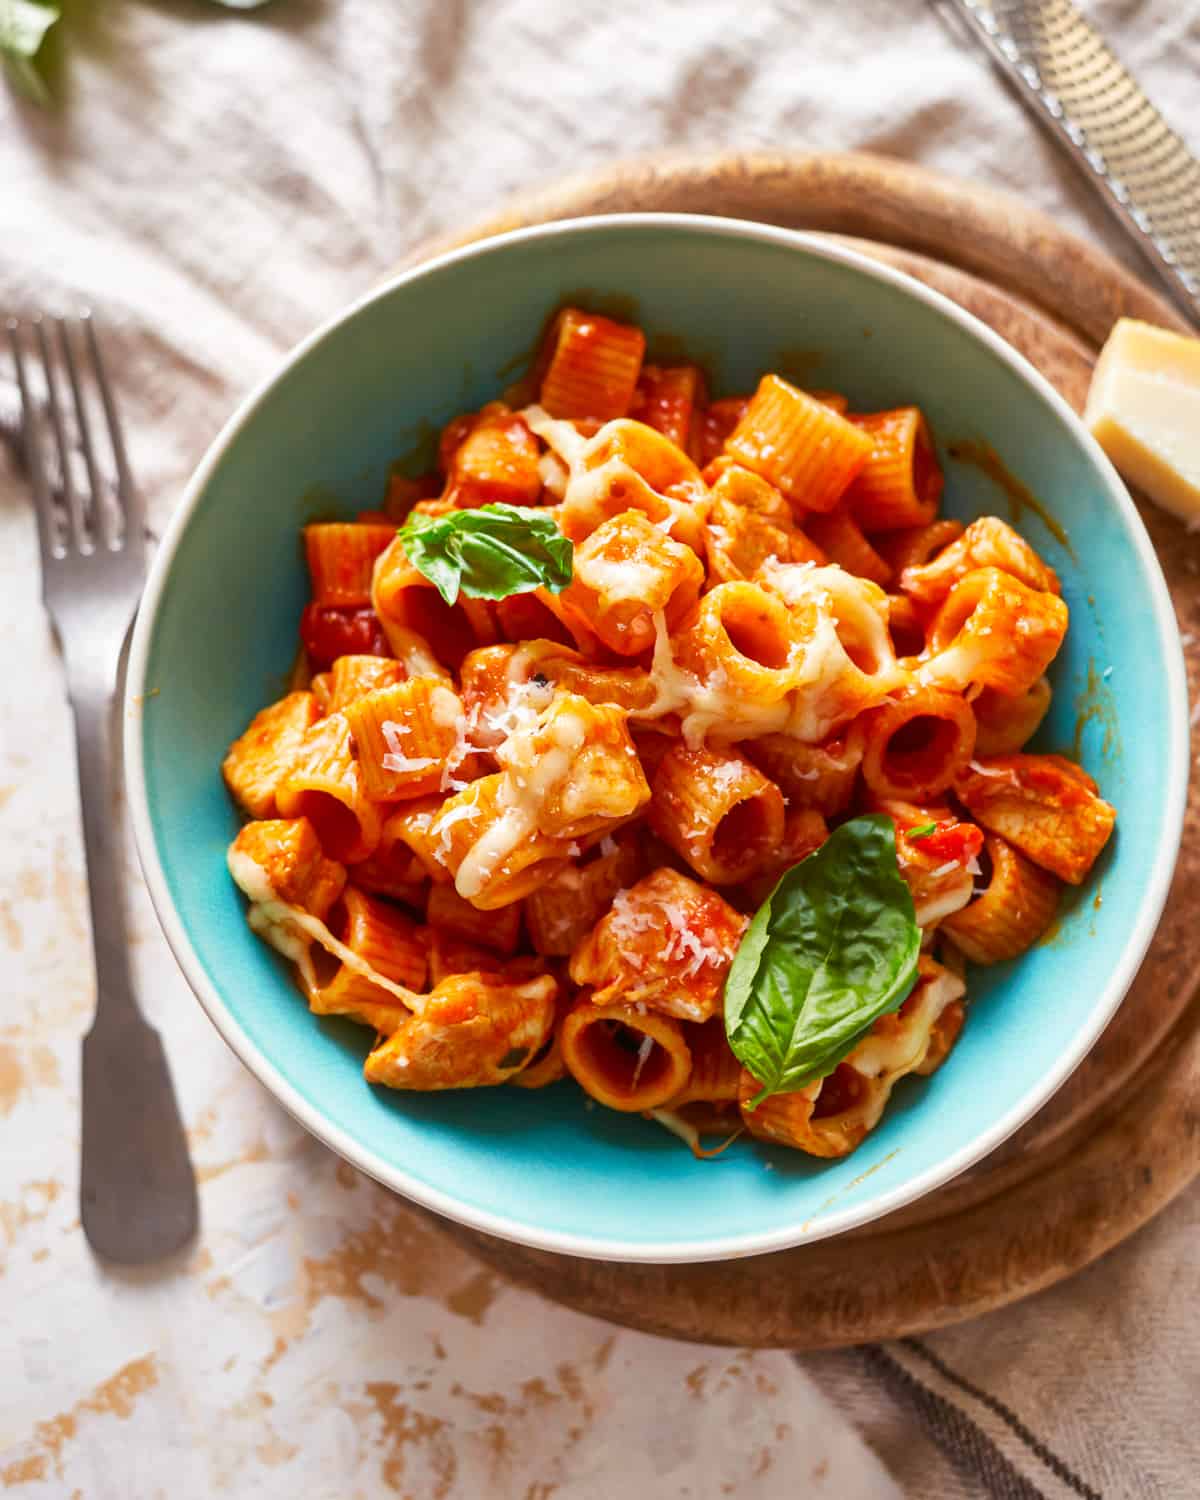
(734, 1246)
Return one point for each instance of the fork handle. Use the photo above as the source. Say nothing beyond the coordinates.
(97, 743)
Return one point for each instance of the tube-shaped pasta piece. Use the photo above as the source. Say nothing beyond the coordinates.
(746, 638)
(404, 735)
(500, 684)
(495, 463)
(716, 1073)
(817, 776)
(561, 913)
(718, 811)
(1007, 722)
(323, 784)
(625, 1058)
(260, 758)
(353, 677)
(987, 542)
(405, 599)
(506, 856)
(296, 868)
(1012, 912)
(1044, 804)
(667, 398)
(832, 399)
(410, 826)
(591, 366)
(474, 1030)
(917, 743)
(571, 621)
(716, 424)
(848, 664)
(526, 617)
(901, 482)
(666, 468)
(626, 572)
(454, 955)
(499, 930)
(630, 688)
(804, 830)
(915, 545)
(341, 559)
(666, 943)
(992, 631)
(394, 871)
(391, 943)
(802, 446)
(907, 627)
(841, 538)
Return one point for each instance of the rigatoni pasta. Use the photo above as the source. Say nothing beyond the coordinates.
(575, 711)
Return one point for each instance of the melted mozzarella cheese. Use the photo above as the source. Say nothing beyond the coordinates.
(530, 775)
(288, 928)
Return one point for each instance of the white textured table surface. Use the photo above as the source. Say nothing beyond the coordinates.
(215, 185)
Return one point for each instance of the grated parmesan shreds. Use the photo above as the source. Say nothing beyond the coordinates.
(395, 759)
(448, 820)
(1187, 639)
(951, 864)
(983, 770)
(643, 1057)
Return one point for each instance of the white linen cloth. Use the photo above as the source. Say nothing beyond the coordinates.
(215, 184)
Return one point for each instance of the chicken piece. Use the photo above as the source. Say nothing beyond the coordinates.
(473, 1031)
(1045, 805)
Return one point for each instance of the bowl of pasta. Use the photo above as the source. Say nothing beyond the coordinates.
(619, 768)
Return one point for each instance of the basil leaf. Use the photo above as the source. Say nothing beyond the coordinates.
(23, 28)
(921, 831)
(833, 948)
(491, 552)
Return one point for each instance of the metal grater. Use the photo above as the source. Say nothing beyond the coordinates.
(1066, 75)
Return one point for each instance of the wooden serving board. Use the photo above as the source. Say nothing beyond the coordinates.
(1122, 1137)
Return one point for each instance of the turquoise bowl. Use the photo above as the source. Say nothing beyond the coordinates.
(217, 630)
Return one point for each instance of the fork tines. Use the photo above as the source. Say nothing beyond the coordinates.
(85, 501)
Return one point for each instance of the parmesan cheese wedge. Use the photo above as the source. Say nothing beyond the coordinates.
(1144, 411)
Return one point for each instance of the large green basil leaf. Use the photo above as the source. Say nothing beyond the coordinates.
(833, 948)
(491, 552)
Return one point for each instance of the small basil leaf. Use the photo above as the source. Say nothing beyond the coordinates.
(491, 552)
(833, 948)
(921, 831)
(23, 28)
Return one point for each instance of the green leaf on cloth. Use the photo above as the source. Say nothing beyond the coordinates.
(23, 28)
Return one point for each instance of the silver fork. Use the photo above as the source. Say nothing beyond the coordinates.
(137, 1189)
